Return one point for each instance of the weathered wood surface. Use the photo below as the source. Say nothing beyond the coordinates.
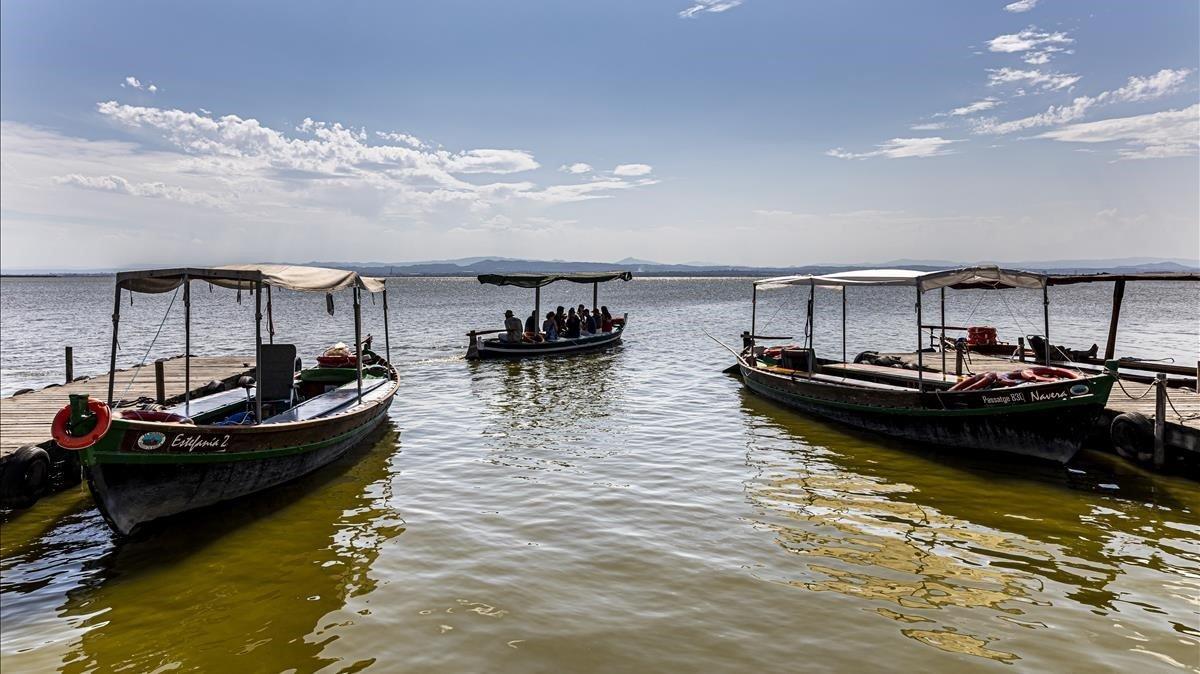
(1124, 397)
(25, 419)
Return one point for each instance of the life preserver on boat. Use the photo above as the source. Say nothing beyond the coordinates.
(337, 361)
(162, 416)
(62, 436)
(975, 381)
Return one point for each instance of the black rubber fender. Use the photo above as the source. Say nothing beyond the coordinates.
(866, 357)
(1132, 434)
(26, 477)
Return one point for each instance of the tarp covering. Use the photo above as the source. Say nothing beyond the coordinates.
(538, 280)
(244, 277)
(967, 277)
(1070, 279)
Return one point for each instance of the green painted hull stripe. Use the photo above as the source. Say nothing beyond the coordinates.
(93, 456)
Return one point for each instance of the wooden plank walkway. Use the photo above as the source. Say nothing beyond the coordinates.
(25, 419)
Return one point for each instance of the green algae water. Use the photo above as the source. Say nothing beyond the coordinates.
(632, 510)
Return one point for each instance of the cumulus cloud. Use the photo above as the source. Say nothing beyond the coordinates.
(578, 168)
(1049, 81)
(972, 108)
(132, 82)
(1171, 133)
(1035, 46)
(632, 170)
(152, 190)
(402, 138)
(1164, 82)
(1020, 6)
(708, 6)
(900, 148)
(928, 126)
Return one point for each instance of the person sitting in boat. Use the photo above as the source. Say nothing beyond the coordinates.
(572, 325)
(531, 328)
(550, 327)
(512, 327)
(560, 318)
(605, 320)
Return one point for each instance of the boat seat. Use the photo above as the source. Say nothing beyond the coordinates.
(277, 365)
(211, 403)
(860, 382)
(326, 403)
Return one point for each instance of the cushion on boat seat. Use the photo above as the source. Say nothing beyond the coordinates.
(277, 372)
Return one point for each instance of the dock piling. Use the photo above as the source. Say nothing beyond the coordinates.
(1160, 419)
(70, 357)
(160, 382)
(1021, 349)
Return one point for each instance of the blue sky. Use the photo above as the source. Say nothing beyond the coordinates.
(760, 132)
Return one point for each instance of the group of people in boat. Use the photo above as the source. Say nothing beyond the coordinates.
(559, 324)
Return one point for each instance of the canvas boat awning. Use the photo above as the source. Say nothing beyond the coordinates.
(966, 277)
(246, 276)
(1102, 277)
(529, 280)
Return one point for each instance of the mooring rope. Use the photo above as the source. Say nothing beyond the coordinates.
(138, 369)
(1130, 395)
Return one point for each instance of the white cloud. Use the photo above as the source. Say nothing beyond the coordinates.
(627, 170)
(132, 82)
(1048, 81)
(578, 168)
(152, 190)
(709, 6)
(1020, 6)
(1036, 47)
(404, 138)
(928, 126)
(972, 108)
(1170, 133)
(900, 148)
(1162, 83)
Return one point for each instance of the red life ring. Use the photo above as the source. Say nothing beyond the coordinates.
(336, 361)
(155, 415)
(62, 436)
(975, 382)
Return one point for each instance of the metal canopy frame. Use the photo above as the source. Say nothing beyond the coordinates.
(538, 281)
(239, 277)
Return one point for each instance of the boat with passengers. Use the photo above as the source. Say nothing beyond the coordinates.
(480, 347)
(1035, 410)
(144, 462)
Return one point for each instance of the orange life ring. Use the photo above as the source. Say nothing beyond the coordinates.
(62, 436)
(974, 382)
(1056, 372)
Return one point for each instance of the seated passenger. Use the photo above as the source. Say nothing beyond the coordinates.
(531, 328)
(572, 325)
(560, 317)
(550, 327)
(605, 320)
(588, 321)
(512, 328)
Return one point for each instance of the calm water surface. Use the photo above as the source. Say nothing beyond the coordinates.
(632, 510)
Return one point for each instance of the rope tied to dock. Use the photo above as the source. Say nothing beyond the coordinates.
(1130, 395)
(1166, 394)
(1174, 409)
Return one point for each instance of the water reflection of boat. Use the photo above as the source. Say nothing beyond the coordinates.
(502, 347)
(945, 546)
(256, 576)
(1041, 412)
(151, 463)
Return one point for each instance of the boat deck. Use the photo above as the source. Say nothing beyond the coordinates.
(25, 419)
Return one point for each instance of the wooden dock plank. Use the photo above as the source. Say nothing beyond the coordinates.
(25, 419)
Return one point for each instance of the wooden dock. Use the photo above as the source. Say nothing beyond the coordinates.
(25, 418)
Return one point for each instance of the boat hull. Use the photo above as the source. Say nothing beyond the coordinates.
(494, 349)
(142, 472)
(1047, 421)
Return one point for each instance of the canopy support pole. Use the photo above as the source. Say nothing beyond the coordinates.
(753, 311)
(843, 324)
(387, 342)
(595, 296)
(812, 328)
(1046, 319)
(258, 352)
(1110, 347)
(537, 307)
(270, 318)
(187, 345)
(358, 340)
(920, 353)
(112, 359)
(942, 343)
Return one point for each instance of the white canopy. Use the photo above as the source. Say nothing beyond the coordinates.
(245, 276)
(966, 277)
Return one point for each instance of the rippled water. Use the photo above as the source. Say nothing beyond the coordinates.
(632, 510)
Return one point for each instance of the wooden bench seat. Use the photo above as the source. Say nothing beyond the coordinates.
(326, 403)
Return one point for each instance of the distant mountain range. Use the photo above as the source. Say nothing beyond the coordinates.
(471, 266)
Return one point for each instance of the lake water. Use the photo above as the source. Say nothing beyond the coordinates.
(633, 510)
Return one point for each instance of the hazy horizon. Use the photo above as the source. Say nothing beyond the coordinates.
(750, 133)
